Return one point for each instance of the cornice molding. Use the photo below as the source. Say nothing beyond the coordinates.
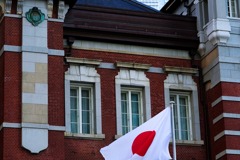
(133, 65)
(172, 69)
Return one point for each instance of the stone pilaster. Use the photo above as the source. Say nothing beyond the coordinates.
(34, 80)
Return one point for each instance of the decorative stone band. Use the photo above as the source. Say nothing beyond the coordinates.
(226, 132)
(183, 70)
(32, 125)
(85, 136)
(131, 65)
(11, 48)
(128, 49)
(227, 151)
(226, 115)
(225, 98)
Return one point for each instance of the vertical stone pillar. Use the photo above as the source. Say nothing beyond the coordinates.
(34, 77)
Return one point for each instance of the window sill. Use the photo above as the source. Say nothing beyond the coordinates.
(84, 136)
(189, 143)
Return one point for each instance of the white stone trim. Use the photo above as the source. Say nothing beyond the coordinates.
(55, 20)
(183, 70)
(218, 30)
(156, 70)
(55, 52)
(227, 151)
(13, 15)
(226, 59)
(190, 143)
(225, 98)
(85, 136)
(35, 125)
(32, 125)
(57, 128)
(132, 65)
(129, 49)
(12, 48)
(107, 65)
(11, 125)
(83, 61)
(112, 66)
(226, 115)
(226, 132)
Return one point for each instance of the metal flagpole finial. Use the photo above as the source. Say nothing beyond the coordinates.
(172, 103)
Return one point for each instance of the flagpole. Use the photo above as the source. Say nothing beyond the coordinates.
(173, 131)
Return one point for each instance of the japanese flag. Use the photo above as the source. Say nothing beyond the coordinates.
(147, 142)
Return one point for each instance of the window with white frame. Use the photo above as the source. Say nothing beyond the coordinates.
(232, 8)
(182, 115)
(131, 107)
(182, 89)
(81, 109)
(83, 113)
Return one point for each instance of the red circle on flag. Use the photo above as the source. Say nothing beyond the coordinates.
(142, 142)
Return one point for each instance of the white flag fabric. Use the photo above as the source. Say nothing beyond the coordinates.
(149, 141)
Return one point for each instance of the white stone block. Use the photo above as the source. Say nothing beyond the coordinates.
(34, 98)
(35, 57)
(28, 41)
(28, 67)
(235, 74)
(41, 41)
(28, 31)
(34, 139)
(41, 88)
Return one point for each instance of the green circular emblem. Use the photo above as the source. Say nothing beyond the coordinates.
(35, 16)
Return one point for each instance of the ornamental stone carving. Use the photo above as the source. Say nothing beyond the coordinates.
(35, 16)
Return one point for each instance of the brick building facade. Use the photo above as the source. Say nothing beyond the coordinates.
(76, 75)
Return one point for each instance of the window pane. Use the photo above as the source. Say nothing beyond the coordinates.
(135, 121)
(86, 128)
(85, 117)
(74, 98)
(135, 107)
(135, 96)
(74, 116)
(184, 135)
(73, 92)
(85, 99)
(124, 96)
(74, 128)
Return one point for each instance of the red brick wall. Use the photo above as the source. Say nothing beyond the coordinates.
(13, 31)
(89, 149)
(56, 103)
(12, 148)
(55, 35)
(225, 142)
(12, 87)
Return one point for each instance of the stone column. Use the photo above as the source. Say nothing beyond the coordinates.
(34, 76)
